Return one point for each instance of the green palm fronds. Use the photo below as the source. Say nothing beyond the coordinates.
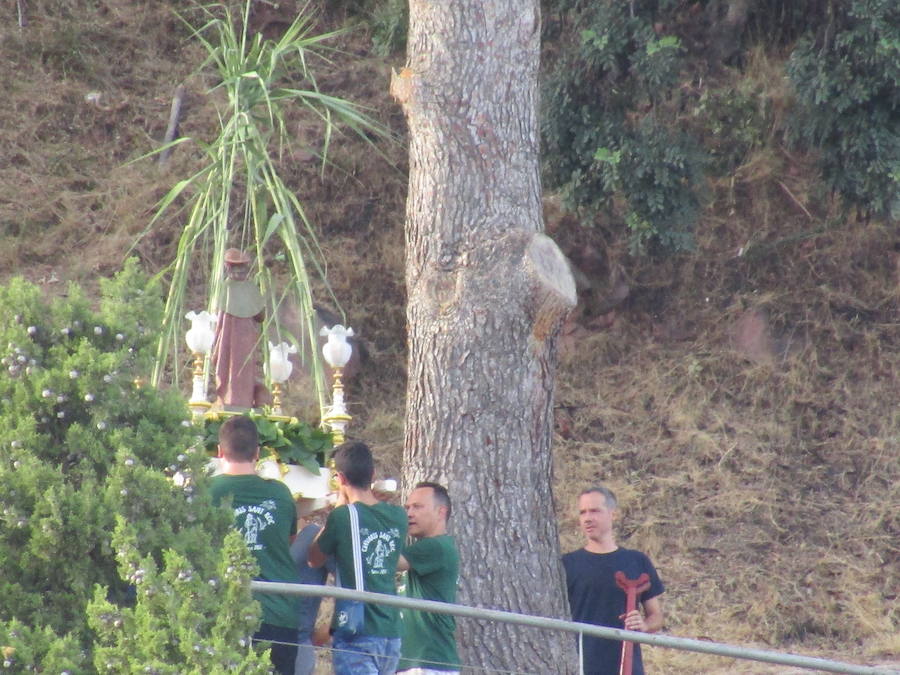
(238, 197)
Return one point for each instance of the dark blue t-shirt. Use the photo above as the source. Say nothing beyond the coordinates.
(309, 605)
(595, 598)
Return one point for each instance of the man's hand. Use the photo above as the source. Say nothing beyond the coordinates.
(322, 635)
(650, 623)
(634, 621)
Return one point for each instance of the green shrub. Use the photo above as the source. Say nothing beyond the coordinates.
(389, 22)
(289, 440)
(610, 143)
(87, 459)
(847, 77)
(733, 122)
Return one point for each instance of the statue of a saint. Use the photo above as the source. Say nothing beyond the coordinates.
(238, 382)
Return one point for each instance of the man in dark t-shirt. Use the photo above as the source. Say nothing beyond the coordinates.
(309, 606)
(265, 514)
(594, 595)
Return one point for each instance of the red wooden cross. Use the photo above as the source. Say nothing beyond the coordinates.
(631, 587)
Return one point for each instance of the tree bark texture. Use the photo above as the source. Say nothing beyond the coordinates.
(487, 295)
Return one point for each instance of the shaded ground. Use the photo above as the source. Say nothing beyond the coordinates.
(741, 399)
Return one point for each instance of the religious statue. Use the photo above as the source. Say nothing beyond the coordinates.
(238, 377)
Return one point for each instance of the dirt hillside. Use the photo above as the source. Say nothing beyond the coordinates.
(742, 399)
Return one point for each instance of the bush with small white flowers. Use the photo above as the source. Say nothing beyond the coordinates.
(109, 565)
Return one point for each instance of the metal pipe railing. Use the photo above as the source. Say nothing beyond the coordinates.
(688, 644)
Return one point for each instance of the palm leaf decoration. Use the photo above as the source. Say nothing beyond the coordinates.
(238, 197)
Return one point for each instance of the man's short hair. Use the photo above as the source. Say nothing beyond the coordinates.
(441, 496)
(239, 439)
(608, 495)
(354, 460)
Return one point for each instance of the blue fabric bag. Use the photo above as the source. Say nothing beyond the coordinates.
(351, 614)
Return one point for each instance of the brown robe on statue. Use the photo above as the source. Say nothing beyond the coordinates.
(235, 350)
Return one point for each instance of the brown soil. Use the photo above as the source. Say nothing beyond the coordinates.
(741, 399)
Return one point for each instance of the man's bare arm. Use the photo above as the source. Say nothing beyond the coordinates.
(653, 615)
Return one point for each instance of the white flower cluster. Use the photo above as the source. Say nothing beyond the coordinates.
(18, 361)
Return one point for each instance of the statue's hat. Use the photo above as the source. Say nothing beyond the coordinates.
(235, 256)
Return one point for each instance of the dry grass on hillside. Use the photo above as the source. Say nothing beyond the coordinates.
(761, 472)
(758, 466)
(89, 87)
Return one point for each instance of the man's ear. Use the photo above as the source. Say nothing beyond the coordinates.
(220, 454)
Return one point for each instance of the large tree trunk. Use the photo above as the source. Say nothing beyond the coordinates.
(487, 293)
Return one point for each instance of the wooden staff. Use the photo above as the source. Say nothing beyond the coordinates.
(631, 587)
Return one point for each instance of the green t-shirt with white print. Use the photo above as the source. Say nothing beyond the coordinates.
(382, 531)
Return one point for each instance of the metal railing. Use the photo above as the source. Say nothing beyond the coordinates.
(687, 644)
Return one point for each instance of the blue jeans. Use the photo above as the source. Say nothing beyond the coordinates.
(306, 654)
(365, 655)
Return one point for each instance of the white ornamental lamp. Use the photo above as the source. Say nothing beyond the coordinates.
(337, 352)
(280, 368)
(200, 338)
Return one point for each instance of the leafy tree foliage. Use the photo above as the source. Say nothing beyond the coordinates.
(390, 22)
(290, 441)
(112, 555)
(616, 137)
(609, 141)
(733, 122)
(847, 77)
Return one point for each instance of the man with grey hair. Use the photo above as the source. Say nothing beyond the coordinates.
(594, 595)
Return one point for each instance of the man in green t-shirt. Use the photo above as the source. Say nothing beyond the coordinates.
(382, 531)
(432, 564)
(265, 514)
